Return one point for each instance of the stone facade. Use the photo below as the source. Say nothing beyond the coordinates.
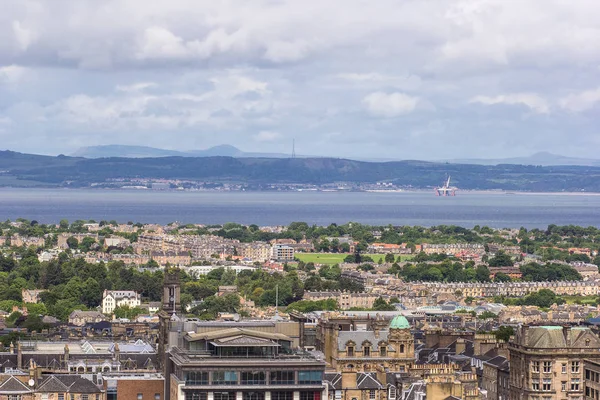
(546, 362)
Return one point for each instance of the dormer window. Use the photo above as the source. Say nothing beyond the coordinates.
(350, 351)
(366, 351)
(383, 351)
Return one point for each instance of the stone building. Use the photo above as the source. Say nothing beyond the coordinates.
(383, 347)
(591, 381)
(546, 362)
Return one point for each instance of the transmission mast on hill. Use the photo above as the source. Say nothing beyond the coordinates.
(293, 148)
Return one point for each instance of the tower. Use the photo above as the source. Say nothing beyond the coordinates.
(171, 301)
(293, 148)
(171, 307)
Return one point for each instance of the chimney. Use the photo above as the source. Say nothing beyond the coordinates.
(19, 355)
(66, 353)
(348, 378)
(567, 334)
(117, 352)
(460, 345)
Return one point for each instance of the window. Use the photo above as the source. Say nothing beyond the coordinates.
(196, 378)
(547, 384)
(224, 395)
(14, 397)
(574, 383)
(283, 395)
(253, 396)
(401, 348)
(195, 396)
(392, 393)
(305, 377)
(283, 378)
(535, 384)
(547, 367)
(372, 394)
(383, 351)
(535, 366)
(224, 378)
(350, 351)
(156, 396)
(574, 366)
(61, 397)
(564, 368)
(588, 373)
(310, 395)
(140, 396)
(253, 378)
(366, 351)
(563, 386)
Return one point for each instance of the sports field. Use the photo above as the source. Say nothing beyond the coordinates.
(336, 258)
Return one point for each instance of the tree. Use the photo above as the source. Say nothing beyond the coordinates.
(389, 258)
(469, 300)
(501, 259)
(487, 315)
(381, 305)
(72, 242)
(501, 277)
(504, 333)
(92, 293)
(64, 224)
(128, 313)
(482, 274)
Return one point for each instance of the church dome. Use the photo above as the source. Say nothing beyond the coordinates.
(399, 322)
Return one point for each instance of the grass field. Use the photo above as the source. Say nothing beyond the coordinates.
(336, 258)
(591, 300)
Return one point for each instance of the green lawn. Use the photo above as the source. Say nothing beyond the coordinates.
(591, 300)
(336, 258)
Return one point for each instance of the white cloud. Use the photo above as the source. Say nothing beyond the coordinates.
(12, 73)
(135, 87)
(390, 105)
(582, 101)
(370, 79)
(267, 136)
(24, 37)
(530, 100)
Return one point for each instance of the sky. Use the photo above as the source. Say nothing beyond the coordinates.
(395, 79)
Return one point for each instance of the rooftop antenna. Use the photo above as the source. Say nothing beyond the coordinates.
(293, 148)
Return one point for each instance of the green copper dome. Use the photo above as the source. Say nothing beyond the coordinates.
(399, 322)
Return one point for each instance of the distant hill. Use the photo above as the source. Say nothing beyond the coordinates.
(541, 158)
(117, 150)
(256, 173)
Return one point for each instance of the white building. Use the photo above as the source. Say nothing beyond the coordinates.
(198, 270)
(112, 299)
(281, 252)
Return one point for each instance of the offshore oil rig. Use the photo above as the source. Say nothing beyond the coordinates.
(446, 189)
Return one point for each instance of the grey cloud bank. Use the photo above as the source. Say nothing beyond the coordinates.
(432, 79)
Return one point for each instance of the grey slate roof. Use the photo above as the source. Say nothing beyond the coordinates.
(14, 386)
(69, 384)
(358, 337)
(368, 381)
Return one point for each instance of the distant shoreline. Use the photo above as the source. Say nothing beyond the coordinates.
(374, 191)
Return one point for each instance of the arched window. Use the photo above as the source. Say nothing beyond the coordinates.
(401, 348)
